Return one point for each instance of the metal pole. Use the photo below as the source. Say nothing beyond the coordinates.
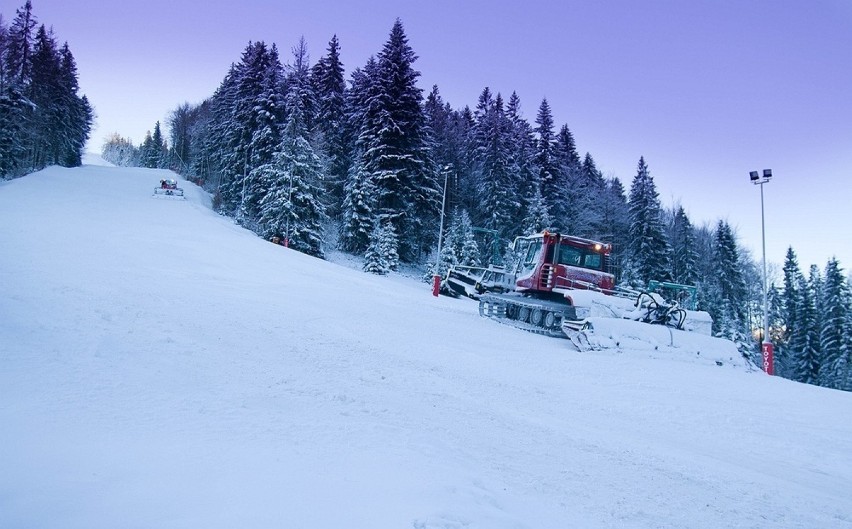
(436, 279)
(765, 286)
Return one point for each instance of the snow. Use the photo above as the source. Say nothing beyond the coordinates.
(162, 367)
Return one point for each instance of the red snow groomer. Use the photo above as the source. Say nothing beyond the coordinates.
(560, 282)
(168, 189)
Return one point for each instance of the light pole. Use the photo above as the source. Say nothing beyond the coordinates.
(766, 345)
(436, 279)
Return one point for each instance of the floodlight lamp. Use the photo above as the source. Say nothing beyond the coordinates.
(767, 173)
(754, 176)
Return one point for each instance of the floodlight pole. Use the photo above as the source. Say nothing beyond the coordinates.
(766, 343)
(436, 278)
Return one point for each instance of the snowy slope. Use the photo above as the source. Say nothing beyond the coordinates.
(162, 367)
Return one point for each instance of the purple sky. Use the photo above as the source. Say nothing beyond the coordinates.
(705, 90)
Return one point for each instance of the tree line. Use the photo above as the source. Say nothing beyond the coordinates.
(296, 151)
(43, 119)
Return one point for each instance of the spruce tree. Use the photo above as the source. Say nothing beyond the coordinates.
(615, 219)
(729, 278)
(396, 149)
(381, 257)
(549, 174)
(790, 297)
(834, 333)
(330, 90)
(648, 250)
(522, 169)
(359, 202)
(807, 344)
(291, 207)
(493, 136)
(21, 41)
(684, 256)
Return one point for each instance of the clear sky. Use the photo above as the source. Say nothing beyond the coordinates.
(705, 90)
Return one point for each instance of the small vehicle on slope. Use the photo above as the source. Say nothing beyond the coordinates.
(168, 189)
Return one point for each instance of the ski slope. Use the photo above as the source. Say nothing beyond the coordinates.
(162, 367)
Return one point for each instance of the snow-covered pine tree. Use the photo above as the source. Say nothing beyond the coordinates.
(291, 208)
(298, 77)
(21, 40)
(648, 250)
(807, 340)
(834, 334)
(684, 256)
(13, 108)
(397, 149)
(78, 113)
(159, 151)
(496, 191)
(549, 175)
(180, 123)
(615, 223)
(381, 257)
(783, 363)
(45, 96)
(359, 194)
(359, 209)
(590, 190)
(119, 151)
(729, 301)
(330, 92)
(572, 208)
(244, 115)
(469, 254)
(790, 298)
(522, 170)
(538, 217)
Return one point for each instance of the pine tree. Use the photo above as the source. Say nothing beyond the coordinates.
(396, 149)
(783, 363)
(834, 334)
(615, 219)
(13, 108)
(522, 169)
(21, 40)
(729, 280)
(157, 155)
(45, 95)
(78, 115)
(290, 207)
(790, 295)
(359, 202)
(492, 133)
(549, 175)
(588, 188)
(382, 257)
(648, 249)
(469, 250)
(330, 90)
(807, 344)
(538, 217)
(244, 118)
(359, 209)
(684, 256)
(180, 123)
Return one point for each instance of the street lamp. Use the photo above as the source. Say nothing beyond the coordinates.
(766, 345)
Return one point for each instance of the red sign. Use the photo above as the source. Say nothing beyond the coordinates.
(768, 358)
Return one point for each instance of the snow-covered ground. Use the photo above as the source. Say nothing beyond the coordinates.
(162, 367)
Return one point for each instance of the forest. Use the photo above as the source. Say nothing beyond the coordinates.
(367, 163)
(43, 119)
